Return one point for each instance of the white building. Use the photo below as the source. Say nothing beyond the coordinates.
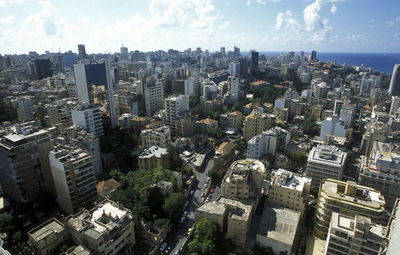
(269, 141)
(332, 126)
(106, 229)
(325, 162)
(153, 96)
(233, 89)
(353, 235)
(192, 86)
(234, 68)
(88, 117)
(25, 109)
(176, 108)
(208, 88)
(74, 177)
(395, 104)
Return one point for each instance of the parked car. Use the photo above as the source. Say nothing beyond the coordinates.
(163, 246)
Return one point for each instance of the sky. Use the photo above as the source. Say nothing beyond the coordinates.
(145, 25)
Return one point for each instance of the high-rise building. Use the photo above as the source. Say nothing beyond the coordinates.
(192, 86)
(176, 110)
(254, 60)
(234, 68)
(244, 68)
(222, 50)
(88, 76)
(153, 96)
(381, 171)
(236, 51)
(89, 118)
(395, 104)
(256, 123)
(325, 162)
(332, 126)
(231, 120)
(81, 52)
(355, 235)
(391, 247)
(69, 59)
(24, 165)
(234, 89)
(349, 199)
(25, 109)
(74, 177)
(124, 53)
(313, 55)
(40, 68)
(394, 88)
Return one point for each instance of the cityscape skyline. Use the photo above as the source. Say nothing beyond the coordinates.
(275, 25)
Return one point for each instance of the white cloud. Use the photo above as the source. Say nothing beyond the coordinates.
(3, 3)
(393, 22)
(224, 25)
(396, 36)
(333, 9)
(285, 20)
(16, 1)
(312, 19)
(7, 19)
(357, 38)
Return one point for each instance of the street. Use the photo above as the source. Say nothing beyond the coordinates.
(178, 236)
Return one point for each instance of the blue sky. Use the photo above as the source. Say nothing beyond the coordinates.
(265, 25)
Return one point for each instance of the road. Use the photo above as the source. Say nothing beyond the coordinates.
(178, 236)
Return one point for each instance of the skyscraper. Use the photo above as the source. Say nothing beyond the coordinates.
(394, 89)
(313, 55)
(81, 52)
(222, 50)
(88, 76)
(234, 68)
(254, 60)
(124, 53)
(236, 51)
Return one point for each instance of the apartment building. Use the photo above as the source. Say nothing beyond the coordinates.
(224, 155)
(268, 142)
(74, 177)
(289, 190)
(353, 235)
(153, 157)
(88, 117)
(160, 137)
(349, 199)
(325, 162)
(231, 120)
(256, 123)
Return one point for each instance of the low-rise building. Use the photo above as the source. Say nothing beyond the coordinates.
(233, 216)
(353, 235)
(278, 230)
(256, 123)
(224, 155)
(153, 157)
(160, 137)
(106, 229)
(231, 120)
(349, 199)
(289, 190)
(48, 237)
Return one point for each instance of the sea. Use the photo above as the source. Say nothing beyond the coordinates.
(381, 62)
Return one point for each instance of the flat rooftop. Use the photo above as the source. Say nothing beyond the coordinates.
(50, 227)
(153, 151)
(289, 180)
(212, 207)
(326, 154)
(238, 210)
(279, 224)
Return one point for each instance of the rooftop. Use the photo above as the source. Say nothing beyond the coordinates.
(237, 209)
(289, 180)
(279, 224)
(212, 207)
(78, 250)
(327, 155)
(225, 148)
(53, 226)
(153, 151)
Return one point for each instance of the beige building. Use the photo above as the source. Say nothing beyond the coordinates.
(381, 171)
(325, 162)
(353, 235)
(289, 190)
(48, 237)
(243, 180)
(233, 217)
(232, 120)
(24, 163)
(256, 123)
(349, 199)
(106, 229)
(74, 177)
(160, 137)
(392, 246)
(224, 155)
(278, 230)
(153, 157)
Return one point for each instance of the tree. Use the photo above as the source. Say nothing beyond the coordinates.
(215, 132)
(172, 206)
(6, 222)
(310, 126)
(205, 236)
(173, 157)
(241, 144)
